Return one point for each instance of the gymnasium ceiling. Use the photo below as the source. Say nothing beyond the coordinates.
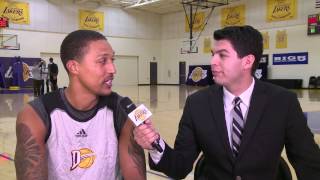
(154, 6)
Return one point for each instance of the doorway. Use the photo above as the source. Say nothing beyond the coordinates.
(153, 73)
(182, 72)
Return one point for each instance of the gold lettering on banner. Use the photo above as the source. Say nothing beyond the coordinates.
(233, 17)
(198, 22)
(281, 8)
(91, 21)
(13, 11)
(281, 11)
(15, 14)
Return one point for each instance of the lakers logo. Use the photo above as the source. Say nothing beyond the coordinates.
(233, 16)
(83, 158)
(197, 74)
(140, 114)
(91, 21)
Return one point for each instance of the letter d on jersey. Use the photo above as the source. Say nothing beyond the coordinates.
(83, 158)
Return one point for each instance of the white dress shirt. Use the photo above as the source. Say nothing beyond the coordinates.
(228, 98)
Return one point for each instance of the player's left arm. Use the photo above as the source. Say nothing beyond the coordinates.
(132, 158)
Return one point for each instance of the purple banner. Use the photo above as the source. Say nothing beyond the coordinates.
(290, 58)
(15, 71)
(199, 75)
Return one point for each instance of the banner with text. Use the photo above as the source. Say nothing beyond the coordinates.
(16, 12)
(233, 16)
(266, 38)
(198, 22)
(281, 39)
(290, 58)
(91, 20)
(281, 10)
(207, 45)
(16, 71)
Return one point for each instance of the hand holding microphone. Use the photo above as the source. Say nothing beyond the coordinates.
(145, 134)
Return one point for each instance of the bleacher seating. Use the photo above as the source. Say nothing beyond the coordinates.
(318, 82)
(287, 83)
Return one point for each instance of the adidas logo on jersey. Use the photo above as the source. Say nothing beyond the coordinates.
(81, 133)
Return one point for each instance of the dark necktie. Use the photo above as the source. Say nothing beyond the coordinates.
(237, 126)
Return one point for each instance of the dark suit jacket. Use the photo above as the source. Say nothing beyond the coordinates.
(274, 120)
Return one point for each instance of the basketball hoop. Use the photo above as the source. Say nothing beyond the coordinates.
(189, 46)
(9, 42)
(191, 11)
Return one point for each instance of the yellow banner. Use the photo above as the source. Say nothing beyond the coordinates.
(280, 10)
(16, 12)
(281, 39)
(233, 16)
(198, 22)
(207, 45)
(91, 20)
(265, 36)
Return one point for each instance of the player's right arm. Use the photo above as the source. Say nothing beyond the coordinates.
(31, 154)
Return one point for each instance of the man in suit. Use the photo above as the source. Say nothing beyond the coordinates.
(53, 74)
(240, 124)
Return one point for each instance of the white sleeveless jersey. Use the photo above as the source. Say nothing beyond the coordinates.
(82, 150)
(81, 145)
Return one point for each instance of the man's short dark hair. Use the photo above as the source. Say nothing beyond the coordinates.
(74, 46)
(245, 40)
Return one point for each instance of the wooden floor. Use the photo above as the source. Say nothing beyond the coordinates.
(165, 102)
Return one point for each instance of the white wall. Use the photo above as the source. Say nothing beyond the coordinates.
(127, 70)
(173, 34)
(62, 17)
(33, 44)
(298, 41)
(131, 33)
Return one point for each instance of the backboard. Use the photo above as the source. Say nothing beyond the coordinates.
(9, 42)
(189, 46)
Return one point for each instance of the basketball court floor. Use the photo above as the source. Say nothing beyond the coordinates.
(165, 102)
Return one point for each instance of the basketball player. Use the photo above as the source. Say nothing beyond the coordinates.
(79, 132)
